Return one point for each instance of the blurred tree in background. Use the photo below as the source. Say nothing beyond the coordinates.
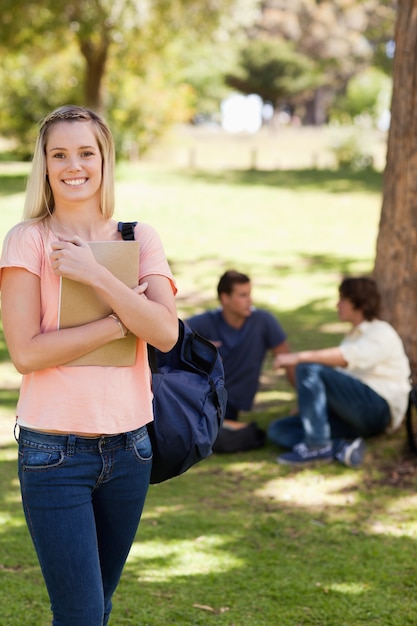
(338, 40)
(124, 58)
(149, 63)
(274, 71)
(367, 95)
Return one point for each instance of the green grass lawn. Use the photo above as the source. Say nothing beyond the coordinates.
(240, 540)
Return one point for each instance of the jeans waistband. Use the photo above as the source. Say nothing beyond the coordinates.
(72, 442)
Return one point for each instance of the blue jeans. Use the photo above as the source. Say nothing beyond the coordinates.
(332, 406)
(83, 499)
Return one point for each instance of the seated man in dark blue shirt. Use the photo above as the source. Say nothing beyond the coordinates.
(243, 336)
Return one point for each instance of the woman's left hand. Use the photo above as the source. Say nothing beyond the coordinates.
(140, 289)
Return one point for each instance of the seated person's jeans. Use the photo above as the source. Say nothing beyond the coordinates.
(332, 406)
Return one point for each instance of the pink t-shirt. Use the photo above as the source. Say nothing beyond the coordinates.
(89, 399)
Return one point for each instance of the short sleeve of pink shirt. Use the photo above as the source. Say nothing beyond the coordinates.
(85, 399)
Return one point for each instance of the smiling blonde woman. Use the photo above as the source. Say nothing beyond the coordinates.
(84, 452)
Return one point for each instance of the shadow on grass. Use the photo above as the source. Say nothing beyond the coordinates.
(240, 540)
(8, 398)
(333, 181)
(12, 183)
(332, 266)
(4, 353)
(343, 180)
(270, 541)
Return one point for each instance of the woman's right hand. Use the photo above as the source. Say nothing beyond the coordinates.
(73, 259)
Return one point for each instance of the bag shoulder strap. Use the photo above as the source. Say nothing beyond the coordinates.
(127, 229)
(152, 360)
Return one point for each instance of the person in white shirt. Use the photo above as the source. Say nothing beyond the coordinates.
(346, 393)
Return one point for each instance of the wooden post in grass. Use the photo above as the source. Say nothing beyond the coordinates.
(192, 157)
(253, 158)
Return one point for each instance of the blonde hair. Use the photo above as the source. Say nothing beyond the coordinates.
(39, 202)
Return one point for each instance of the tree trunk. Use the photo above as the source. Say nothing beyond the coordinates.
(396, 255)
(316, 108)
(96, 57)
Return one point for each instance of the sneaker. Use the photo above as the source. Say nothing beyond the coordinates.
(302, 455)
(352, 453)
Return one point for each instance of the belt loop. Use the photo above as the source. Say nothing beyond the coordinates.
(129, 440)
(71, 445)
(16, 426)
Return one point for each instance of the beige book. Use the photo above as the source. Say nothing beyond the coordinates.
(80, 304)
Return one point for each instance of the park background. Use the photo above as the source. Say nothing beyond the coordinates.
(238, 540)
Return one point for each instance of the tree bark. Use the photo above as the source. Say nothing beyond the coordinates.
(317, 107)
(95, 57)
(396, 253)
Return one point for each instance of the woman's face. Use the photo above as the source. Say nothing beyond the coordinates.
(73, 163)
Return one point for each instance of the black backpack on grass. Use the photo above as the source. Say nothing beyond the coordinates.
(411, 420)
(246, 437)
